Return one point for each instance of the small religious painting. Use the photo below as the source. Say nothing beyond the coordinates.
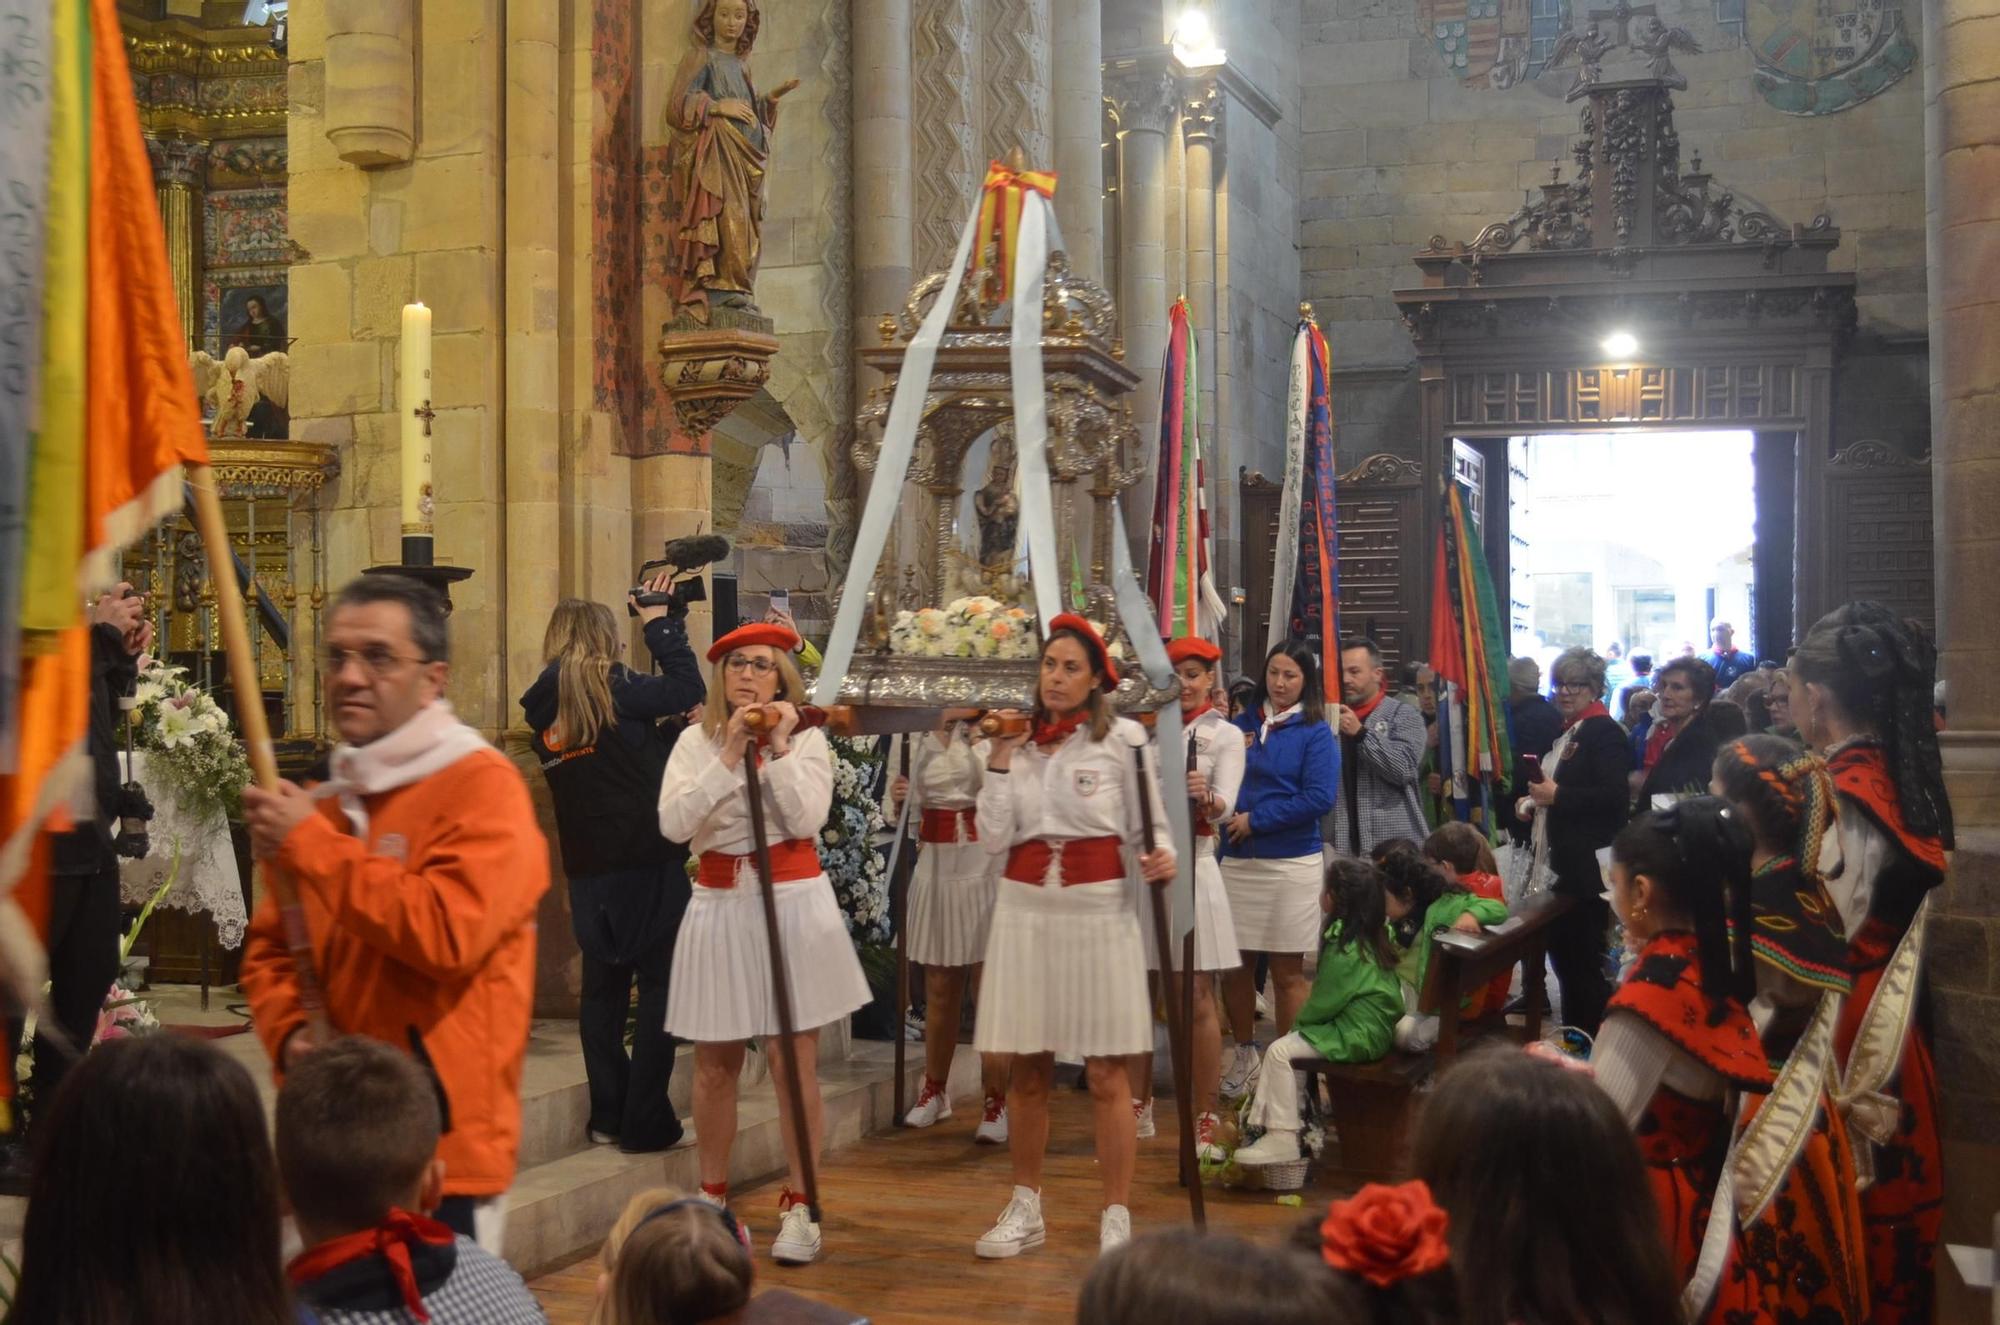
(253, 316)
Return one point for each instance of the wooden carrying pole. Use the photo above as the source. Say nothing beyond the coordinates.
(1177, 1030)
(781, 985)
(256, 732)
(899, 912)
(1187, 984)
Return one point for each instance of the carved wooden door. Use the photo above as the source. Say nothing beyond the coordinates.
(1381, 562)
(1877, 539)
(1257, 508)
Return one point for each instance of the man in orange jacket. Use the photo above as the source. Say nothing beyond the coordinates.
(419, 867)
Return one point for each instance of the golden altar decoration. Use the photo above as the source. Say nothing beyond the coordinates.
(936, 554)
(272, 498)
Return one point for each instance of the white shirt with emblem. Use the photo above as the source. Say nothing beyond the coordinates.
(1082, 788)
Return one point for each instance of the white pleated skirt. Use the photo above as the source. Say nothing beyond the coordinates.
(1275, 903)
(720, 989)
(1214, 927)
(1065, 973)
(951, 903)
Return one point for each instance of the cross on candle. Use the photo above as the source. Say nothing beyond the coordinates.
(413, 385)
(426, 413)
(1622, 14)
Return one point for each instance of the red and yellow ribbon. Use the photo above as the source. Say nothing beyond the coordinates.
(1004, 194)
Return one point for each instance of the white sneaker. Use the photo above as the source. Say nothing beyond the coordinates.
(1144, 1114)
(1206, 1150)
(1277, 1146)
(1020, 1228)
(598, 1138)
(1263, 1005)
(1114, 1229)
(992, 1129)
(1244, 1061)
(933, 1106)
(797, 1242)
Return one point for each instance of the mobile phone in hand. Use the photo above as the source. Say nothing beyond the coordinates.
(1534, 763)
(781, 600)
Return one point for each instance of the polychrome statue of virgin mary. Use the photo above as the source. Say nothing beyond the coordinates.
(721, 133)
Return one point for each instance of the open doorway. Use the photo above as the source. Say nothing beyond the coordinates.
(1630, 542)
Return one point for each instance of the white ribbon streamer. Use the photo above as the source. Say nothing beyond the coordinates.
(1031, 408)
(899, 441)
(1285, 560)
(1135, 610)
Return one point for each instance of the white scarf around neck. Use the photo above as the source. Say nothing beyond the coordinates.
(1274, 719)
(427, 744)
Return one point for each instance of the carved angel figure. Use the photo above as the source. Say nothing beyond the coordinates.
(247, 393)
(1658, 42)
(721, 139)
(1589, 46)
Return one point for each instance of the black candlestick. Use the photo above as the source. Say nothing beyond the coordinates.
(420, 563)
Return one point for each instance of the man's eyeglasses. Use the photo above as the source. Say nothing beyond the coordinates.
(1575, 687)
(378, 660)
(737, 662)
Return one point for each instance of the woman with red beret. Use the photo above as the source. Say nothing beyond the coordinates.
(1065, 966)
(720, 996)
(1213, 778)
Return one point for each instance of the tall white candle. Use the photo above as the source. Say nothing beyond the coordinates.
(413, 395)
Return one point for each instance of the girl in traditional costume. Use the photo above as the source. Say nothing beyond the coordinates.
(1794, 1160)
(1065, 967)
(1861, 692)
(720, 994)
(1216, 771)
(949, 911)
(1677, 1048)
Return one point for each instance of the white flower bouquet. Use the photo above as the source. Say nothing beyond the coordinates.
(202, 764)
(973, 627)
(847, 843)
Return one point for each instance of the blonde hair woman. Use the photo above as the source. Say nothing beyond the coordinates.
(672, 1260)
(721, 995)
(595, 729)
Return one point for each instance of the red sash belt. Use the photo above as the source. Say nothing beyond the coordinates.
(1077, 860)
(790, 862)
(948, 826)
(1203, 828)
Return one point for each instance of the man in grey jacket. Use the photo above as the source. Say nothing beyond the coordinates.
(1381, 757)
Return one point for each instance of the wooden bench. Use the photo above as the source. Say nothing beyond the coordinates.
(1370, 1102)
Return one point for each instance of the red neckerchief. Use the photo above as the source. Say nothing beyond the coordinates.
(390, 1240)
(1362, 711)
(1055, 732)
(1187, 719)
(1658, 738)
(1596, 710)
(1861, 774)
(1664, 990)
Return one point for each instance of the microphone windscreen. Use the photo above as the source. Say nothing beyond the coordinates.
(695, 550)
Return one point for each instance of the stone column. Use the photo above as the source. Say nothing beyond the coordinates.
(1079, 132)
(1018, 51)
(884, 238)
(1962, 188)
(177, 182)
(1147, 99)
(1201, 125)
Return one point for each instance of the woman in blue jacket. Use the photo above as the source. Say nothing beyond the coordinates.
(1273, 869)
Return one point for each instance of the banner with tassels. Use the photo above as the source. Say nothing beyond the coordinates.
(1468, 652)
(1305, 581)
(1180, 578)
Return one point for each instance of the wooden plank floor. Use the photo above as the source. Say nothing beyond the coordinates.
(904, 1208)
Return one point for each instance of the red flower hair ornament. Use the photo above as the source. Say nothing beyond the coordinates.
(1386, 1234)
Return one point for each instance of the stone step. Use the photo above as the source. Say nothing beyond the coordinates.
(563, 1208)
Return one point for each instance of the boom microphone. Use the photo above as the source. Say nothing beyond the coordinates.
(694, 550)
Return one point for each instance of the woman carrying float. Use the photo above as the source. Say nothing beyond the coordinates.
(1215, 746)
(1065, 966)
(950, 908)
(720, 996)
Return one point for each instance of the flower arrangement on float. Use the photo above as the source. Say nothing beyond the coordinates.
(847, 844)
(203, 767)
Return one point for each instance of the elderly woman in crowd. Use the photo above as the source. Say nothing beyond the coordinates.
(1576, 806)
(1681, 745)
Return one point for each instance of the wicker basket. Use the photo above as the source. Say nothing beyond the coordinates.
(1288, 1177)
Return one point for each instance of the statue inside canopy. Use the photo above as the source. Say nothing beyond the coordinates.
(721, 135)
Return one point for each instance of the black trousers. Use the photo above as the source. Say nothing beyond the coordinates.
(626, 923)
(1577, 948)
(83, 961)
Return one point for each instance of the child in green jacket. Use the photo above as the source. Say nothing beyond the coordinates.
(1349, 1017)
(1420, 902)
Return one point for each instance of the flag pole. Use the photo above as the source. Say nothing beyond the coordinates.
(255, 729)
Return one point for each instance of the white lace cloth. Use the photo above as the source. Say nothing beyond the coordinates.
(209, 881)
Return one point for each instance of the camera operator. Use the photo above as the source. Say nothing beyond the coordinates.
(598, 733)
(83, 889)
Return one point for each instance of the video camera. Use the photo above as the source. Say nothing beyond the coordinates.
(680, 555)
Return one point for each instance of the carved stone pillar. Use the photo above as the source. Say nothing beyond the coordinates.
(1018, 79)
(1962, 134)
(884, 253)
(1201, 125)
(1079, 132)
(371, 89)
(1148, 94)
(178, 176)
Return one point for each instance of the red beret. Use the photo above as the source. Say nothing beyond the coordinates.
(1092, 641)
(1193, 646)
(762, 632)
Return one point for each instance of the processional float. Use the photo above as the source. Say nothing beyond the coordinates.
(1006, 350)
